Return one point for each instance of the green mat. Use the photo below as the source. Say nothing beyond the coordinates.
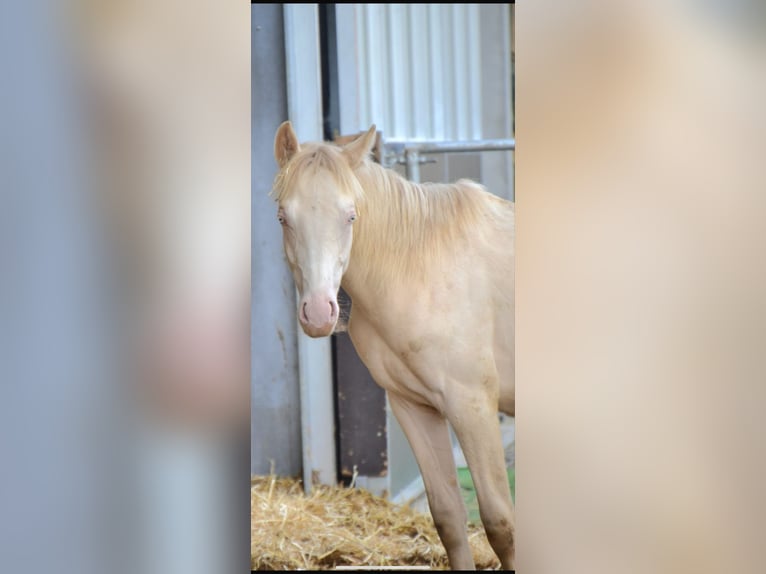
(469, 492)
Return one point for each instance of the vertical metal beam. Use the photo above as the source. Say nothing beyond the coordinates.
(304, 103)
(275, 395)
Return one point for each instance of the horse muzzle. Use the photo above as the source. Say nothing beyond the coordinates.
(318, 315)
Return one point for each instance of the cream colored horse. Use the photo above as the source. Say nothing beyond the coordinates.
(430, 272)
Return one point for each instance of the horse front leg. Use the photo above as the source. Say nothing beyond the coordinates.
(476, 425)
(428, 435)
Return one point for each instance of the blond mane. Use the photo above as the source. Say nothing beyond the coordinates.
(410, 228)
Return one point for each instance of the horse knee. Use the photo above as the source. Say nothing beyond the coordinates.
(451, 524)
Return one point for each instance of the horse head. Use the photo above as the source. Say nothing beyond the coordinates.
(316, 190)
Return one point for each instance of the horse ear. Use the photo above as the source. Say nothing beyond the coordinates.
(360, 148)
(285, 143)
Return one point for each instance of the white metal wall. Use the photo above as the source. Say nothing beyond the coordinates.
(417, 70)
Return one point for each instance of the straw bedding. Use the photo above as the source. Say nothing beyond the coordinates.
(338, 526)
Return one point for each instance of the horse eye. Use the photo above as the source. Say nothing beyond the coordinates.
(281, 219)
(352, 218)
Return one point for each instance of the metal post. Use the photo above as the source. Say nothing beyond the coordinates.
(314, 355)
(412, 162)
(274, 351)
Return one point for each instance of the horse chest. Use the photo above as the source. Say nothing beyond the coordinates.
(404, 366)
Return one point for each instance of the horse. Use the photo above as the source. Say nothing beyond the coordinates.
(429, 269)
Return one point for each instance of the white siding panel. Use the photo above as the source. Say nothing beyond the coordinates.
(436, 77)
(420, 73)
(460, 76)
(362, 60)
(398, 42)
(419, 70)
(447, 49)
(473, 61)
(349, 57)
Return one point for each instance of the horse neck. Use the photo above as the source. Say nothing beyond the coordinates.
(392, 224)
(401, 232)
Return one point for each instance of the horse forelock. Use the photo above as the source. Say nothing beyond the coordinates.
(311, 160)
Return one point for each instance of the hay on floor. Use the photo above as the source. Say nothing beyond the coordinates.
(337, 526)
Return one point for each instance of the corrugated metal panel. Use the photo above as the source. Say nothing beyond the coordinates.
(419, 70)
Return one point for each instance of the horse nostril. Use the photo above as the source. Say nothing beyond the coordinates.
(333, 309)
(304, 316)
